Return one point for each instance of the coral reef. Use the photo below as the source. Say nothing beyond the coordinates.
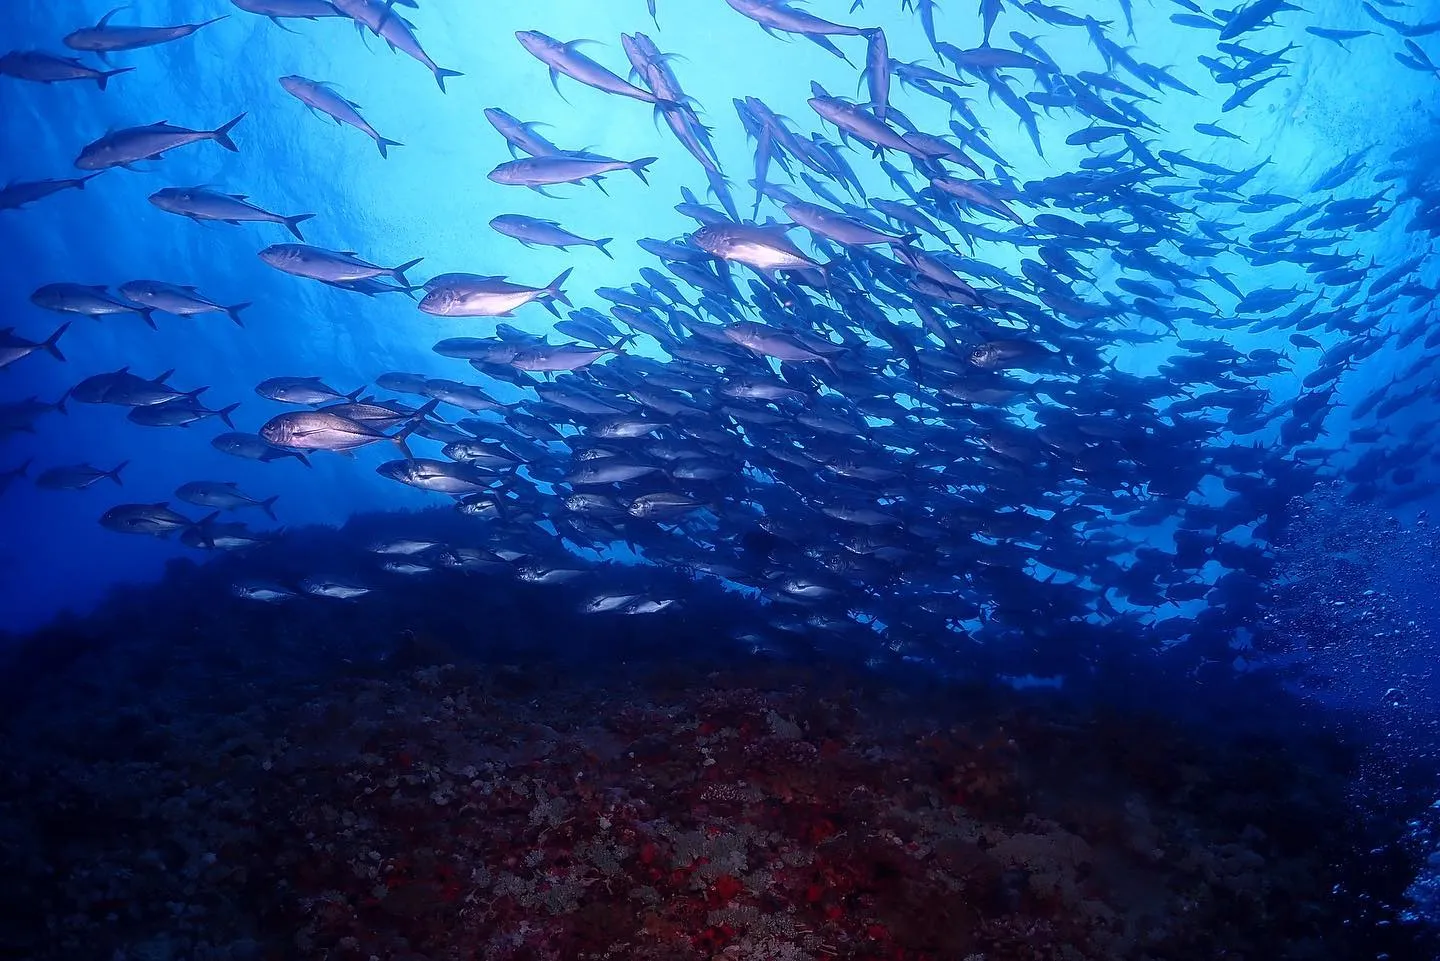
(514, 812)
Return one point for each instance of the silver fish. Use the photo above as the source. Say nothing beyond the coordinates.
(78, 476)
(39, 67)
(124, 389)
(564, 57)
(18, 193)
(319, 96)
(134, 144)
(277, 10)
(472, 295)
(764, 248)
(177, 299)
(395, 30)
(13, 347)
(536, 172)
(546, 233)
(155, 519)
(201, 204)
(89, 301)
(330, 266)
(303, 390)
(252, 447)
(440, 476)
(224, 496)
(103, 38)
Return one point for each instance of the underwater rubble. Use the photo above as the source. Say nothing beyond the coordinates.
(197, 777)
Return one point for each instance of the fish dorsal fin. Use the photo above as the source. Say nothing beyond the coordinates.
(348, 253)
(106, 19)
(100, 287)
(159, 123)
(164, 505)
(239, 196)
(165, 376)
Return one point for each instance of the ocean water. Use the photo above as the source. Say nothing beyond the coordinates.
(1093, 506)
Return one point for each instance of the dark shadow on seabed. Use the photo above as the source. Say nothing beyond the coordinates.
(464, 767)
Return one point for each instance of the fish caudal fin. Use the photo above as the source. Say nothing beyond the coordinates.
(268, 506)
(222, 136)
(225, 412)
(556, 292)
(293, 223)
(399, 272)
(384, 144)
(105, 76)
(639, 167)
(114, 475)
(441, 75)
(600, 245)
(234, 313)
(51, 342)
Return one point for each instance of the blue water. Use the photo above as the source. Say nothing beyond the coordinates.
(431, 199)
(1355, 102)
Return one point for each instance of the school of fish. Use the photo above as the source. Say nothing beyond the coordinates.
(835, 391)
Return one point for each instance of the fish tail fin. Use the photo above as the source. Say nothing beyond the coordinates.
(384, 144)
(600, 245)
(425, 410)
(234, 313)
(416, 419)
(441, 75)
(640, 165)
(556, 292)
(399, 272)
(268, 506)
(104, 79)
(225, 412)
(354, 396)
(204, 525)
(293, 223)
(222, 136)
(114, 475)
(59, 405)
(51, 342)
(223, 16)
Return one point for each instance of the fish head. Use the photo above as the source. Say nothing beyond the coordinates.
(170, 198)
(92, 158)
(279, 431)
(441, 301)
(140, 291)
(277, 255)
(985, 355)
(714, 239)
(536, 42)
(398, 470)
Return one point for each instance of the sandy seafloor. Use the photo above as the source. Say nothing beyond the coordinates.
(189, 776)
